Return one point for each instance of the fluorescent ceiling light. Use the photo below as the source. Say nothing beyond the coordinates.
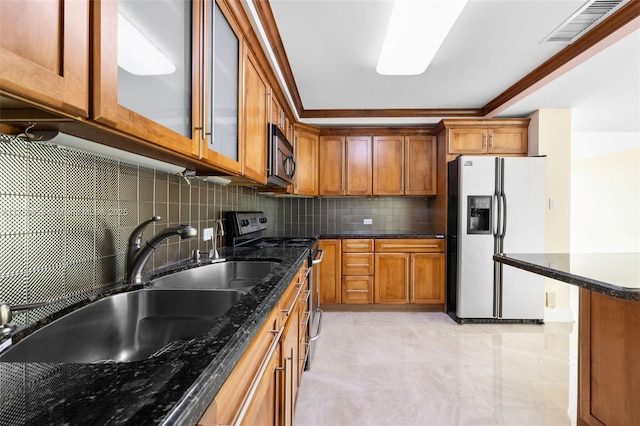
(136, 53)
(416, 30)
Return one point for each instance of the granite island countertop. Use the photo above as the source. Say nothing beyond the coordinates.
(174, 388)
(612, 274)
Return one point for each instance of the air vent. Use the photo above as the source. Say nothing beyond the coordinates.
(585, 18)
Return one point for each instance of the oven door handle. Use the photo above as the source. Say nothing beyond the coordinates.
(318, 260)
(293, 166)
(315, 337)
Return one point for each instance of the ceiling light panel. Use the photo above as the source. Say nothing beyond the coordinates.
(416, 30)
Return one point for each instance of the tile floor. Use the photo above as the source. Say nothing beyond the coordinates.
(407, 369)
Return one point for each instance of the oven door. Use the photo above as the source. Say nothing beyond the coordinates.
(315, 321)
(282, 165)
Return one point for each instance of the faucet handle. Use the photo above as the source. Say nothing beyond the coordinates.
(136, 235)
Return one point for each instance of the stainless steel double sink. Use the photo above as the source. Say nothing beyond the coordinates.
(137, 325)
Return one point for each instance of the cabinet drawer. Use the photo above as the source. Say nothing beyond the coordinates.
(357, 264)
(357, 290)
(426, 245)
(357, 245)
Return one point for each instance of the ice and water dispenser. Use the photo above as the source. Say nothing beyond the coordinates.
(479, 214)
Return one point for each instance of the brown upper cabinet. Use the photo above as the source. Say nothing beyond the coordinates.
(194, 106)
(345, 165)
(255, 118)
(165, 108)
(305, 147)
(47, 61)
(404, 165)
(478, 137)
(279, 117)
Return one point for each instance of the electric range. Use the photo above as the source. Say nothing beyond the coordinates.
(245, 229)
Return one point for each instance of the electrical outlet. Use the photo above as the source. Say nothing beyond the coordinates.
(551, 299)
(207, 234)
(368, 221)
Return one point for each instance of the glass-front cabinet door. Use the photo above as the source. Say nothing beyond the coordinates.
(146, 68)
(222, 82)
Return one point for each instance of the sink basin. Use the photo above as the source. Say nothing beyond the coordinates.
(125, 327)
(239, 275)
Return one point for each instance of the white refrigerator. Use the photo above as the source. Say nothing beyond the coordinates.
(496, 205)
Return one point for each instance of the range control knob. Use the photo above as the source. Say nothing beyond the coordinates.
(263, 220)
(244, 222)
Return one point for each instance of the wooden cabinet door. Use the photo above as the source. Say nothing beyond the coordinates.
(331, 161)
(468, 141)
(608, 368)
(289, 364)
(306, 152)
(507, 141)
(427, 278)
(358, 165)
(391, 281)
(388, 165)
(420, 170)
(44, 53)
(330, 272)
(255, 119)
(263, 410)
(108, 108)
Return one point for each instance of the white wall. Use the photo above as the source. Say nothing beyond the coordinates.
(605, 196)
(550, 135)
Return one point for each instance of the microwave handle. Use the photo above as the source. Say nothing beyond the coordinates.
(291, 173)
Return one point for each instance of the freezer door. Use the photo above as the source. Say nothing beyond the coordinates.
(525, 194)
(475, 251)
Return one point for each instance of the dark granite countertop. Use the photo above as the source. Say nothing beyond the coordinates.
(171, 389)
(612, 274)
(381, 234)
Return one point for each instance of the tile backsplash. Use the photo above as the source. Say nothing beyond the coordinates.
(66, 216)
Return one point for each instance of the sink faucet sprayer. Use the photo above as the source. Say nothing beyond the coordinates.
(214, 251)
(138, 254)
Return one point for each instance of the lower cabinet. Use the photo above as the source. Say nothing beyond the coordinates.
(357, 271)
(409, 278)
(330, 273)
(263, 386)
(383, 271)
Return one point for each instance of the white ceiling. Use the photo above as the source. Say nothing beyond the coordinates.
(333, 47)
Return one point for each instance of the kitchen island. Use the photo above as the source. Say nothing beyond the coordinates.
(174, 388)
(609, 328)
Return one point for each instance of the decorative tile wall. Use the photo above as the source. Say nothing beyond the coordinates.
(312, 216)
(66, 216)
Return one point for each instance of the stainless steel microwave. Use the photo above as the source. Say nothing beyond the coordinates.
(282, 164)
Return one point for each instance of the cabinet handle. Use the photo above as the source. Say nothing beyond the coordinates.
(413, 275)
(484, 141)
(295, 300)
(491, 141)
(256, 381)
(357, 245)
(357, 264)
(357, 291)
(305, 323)
(406, 277)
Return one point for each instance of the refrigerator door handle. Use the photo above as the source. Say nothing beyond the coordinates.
(495, 213)
(503, 231)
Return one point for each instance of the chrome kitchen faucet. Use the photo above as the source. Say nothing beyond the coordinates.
(137, 254)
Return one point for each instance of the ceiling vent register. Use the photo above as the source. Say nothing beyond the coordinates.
(592, 12)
